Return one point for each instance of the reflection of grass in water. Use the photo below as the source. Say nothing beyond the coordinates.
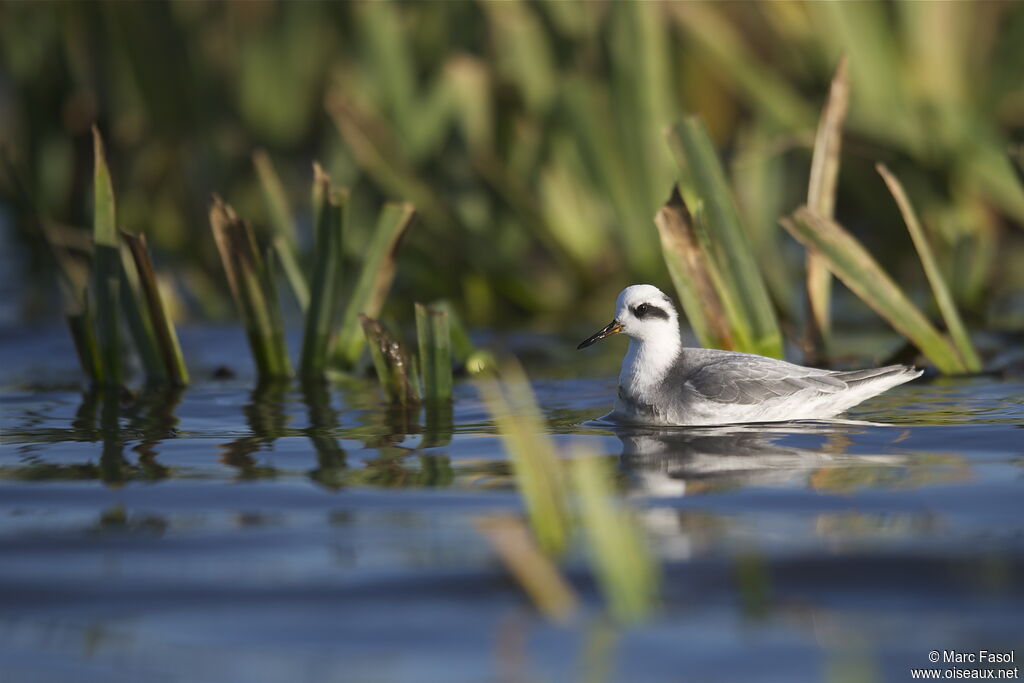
(846, 525)
(400, 468)
(267, 421)
(51, 472)
(116, 519)
(323, 420)
(920, 470)
(150, 419)
(753, 584)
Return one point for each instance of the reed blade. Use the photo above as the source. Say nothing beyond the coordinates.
(391, 363)
(721, 43)
(106, 267)
(759, 178)
(690, 271)
(434, 339)
(159, 315)
(626, 569)
(462, 346)
(381, 155)
(275, 197)
(955, 325)
(252, 289)
(268, 285)
(373, 283)
(590, 107)
(435, 352)
(83, 333)
(474, 360)
(859, 271)
(283, 225)
(821, 194)
(740, 285)
(330, 209)
(133, 306)
(538, 471)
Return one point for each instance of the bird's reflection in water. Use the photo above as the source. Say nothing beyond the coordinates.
(665, 461)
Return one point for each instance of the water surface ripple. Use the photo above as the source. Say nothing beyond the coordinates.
(223, 533)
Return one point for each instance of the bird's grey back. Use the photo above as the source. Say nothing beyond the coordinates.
(732, 377)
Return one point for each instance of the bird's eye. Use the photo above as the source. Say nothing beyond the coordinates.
(641, 310)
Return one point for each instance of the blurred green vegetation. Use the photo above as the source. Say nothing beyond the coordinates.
(529, 135)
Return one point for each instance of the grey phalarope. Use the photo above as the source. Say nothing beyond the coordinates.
(662, 383)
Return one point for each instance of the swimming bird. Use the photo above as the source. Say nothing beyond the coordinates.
(662, 383)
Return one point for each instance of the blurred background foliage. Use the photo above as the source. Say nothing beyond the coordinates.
(529, 135)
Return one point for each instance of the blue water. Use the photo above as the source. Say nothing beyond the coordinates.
(226, 534)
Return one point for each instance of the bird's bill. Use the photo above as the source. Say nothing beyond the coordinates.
(614, 327)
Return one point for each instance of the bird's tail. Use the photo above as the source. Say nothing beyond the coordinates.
(890, 375)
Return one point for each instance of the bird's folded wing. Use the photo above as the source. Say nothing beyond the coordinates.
(754, 380)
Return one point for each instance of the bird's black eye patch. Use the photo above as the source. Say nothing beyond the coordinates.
(644, 311)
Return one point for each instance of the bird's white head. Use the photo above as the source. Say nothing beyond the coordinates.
(646, 313)
(643, 313)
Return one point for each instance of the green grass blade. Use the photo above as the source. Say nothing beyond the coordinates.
(223, 223)
(852, 264)
(626, 570)
(250, 284)
(442, 355)
(384, 158)
(133, 305)
(538, 471)
(643, 101)
(435, 353)
(755, 328)
(159, 315)
(391, 363)
(374, 282)
(267, 284)
(274, 195)
(821, 193)
(388, 53)
(283, 226)
(588, 104)
(759, 174)
(465, 91)
(722, 44)
(690, 271)
(474, 360)
(462, 346)
(106, 267)
(73, 277)
(83, 333)
(866, 32)
(292, 272)
(425, 344)
(73, 269)
(524, 52)
(957, 331)
(329, 227)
